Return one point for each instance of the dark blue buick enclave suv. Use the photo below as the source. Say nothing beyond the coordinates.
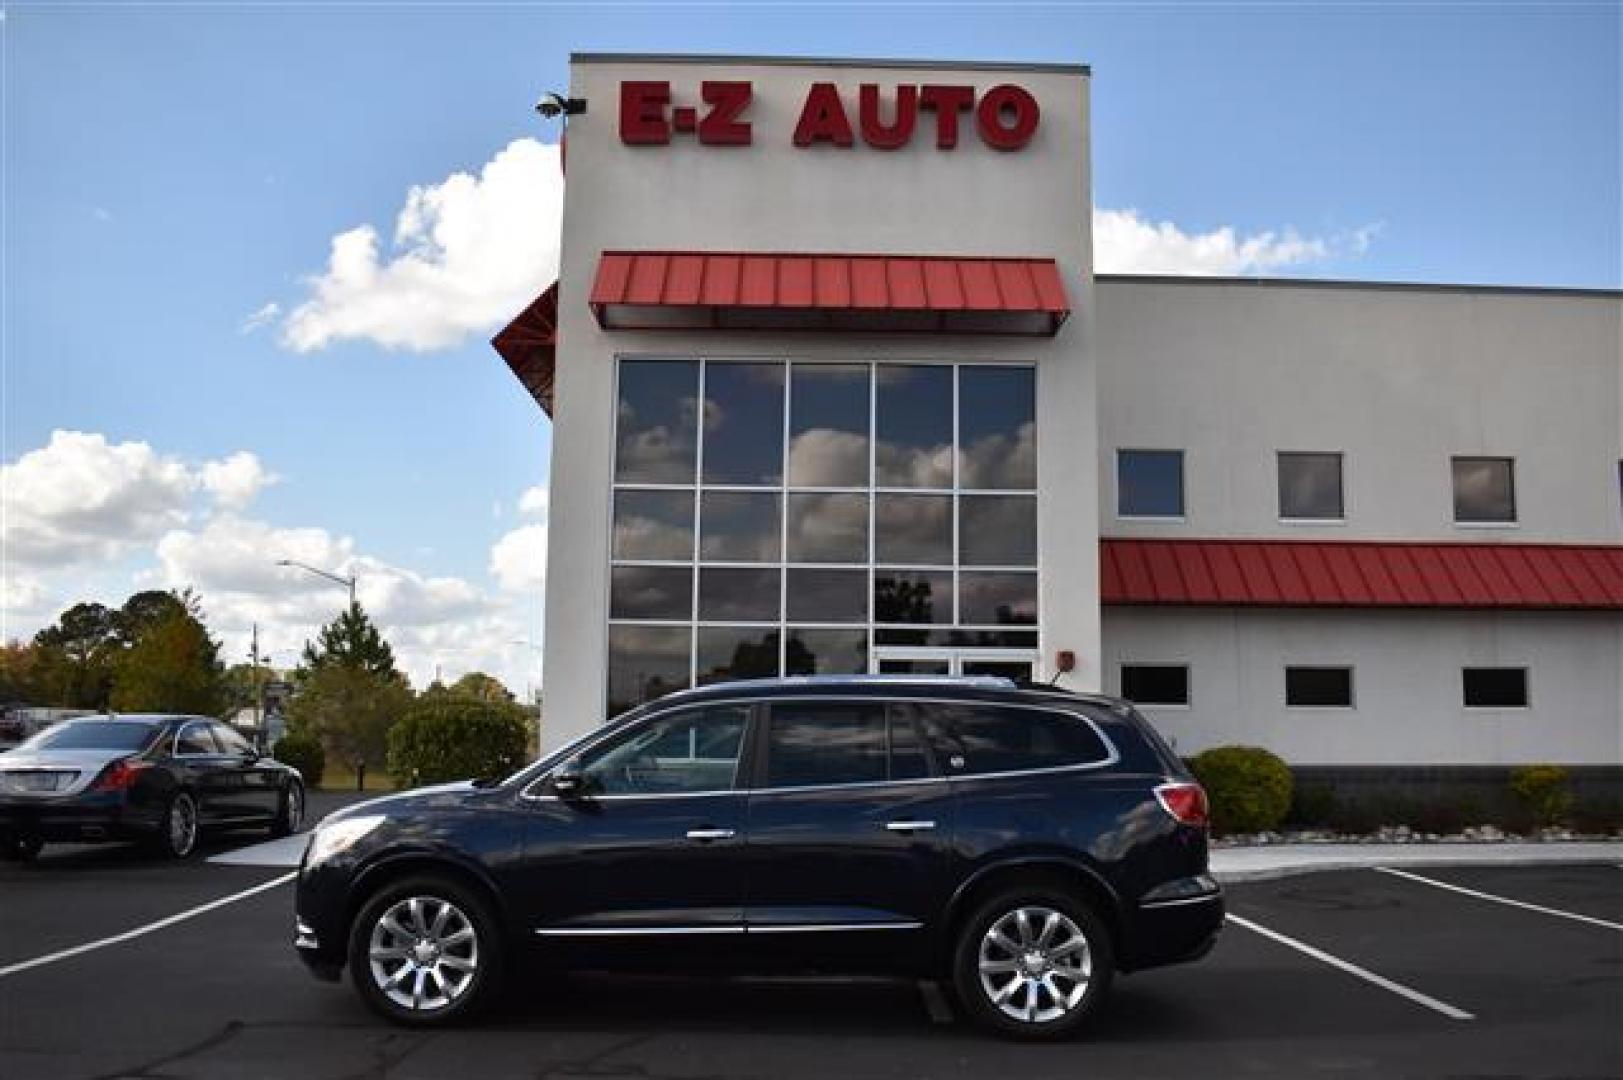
(1024, 844)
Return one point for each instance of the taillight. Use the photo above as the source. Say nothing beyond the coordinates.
(120, 775)
(1185, 800)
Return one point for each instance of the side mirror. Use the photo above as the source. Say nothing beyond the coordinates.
(250, 755)
(568, 781)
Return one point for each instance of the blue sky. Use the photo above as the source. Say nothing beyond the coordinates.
(171, 170)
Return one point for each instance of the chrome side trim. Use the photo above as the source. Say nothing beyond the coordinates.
(632, 931)
(1205, 898)
(818, 928)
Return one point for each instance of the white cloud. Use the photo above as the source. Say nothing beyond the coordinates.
(237, 480)
(264, 316)
(468, 253)
(1125, 243)
(533, 502)
(518, 561)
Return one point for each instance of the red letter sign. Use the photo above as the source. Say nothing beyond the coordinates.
(721, 126)
(822, 118)
(948, 102)
(642, 113)
(1023, 114)
(900, 130)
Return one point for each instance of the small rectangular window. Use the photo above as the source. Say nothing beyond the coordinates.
(1495, 688)
(1319, 687)
(1155, 684)
(1310, 486)
(1149, 483)
(1484, 489)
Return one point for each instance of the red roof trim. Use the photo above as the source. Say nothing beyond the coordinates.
(761, 290)
(1379, 574)
(529, 344)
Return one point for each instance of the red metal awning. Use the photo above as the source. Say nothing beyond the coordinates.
(529, 344)
(662, 290)
(1286, 573)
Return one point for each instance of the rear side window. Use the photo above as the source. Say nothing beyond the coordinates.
(194, 739)
(812, 743)
(994, 739)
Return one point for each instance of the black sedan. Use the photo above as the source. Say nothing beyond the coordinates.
(157, 778)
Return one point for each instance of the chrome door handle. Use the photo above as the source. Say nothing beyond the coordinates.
(704, 835)
(909, 826)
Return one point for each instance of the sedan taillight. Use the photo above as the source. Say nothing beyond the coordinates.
(120, 775)
(1185, 800)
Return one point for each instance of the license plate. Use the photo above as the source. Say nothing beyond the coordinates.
(34, 781)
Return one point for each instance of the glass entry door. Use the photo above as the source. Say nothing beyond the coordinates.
(1017, 664)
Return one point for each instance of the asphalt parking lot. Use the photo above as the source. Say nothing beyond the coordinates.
(1405, 978)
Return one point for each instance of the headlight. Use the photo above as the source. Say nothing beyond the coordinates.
(340, 836)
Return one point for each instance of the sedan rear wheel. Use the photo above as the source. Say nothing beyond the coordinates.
(290, 812)
(424, 952)
(177, 836)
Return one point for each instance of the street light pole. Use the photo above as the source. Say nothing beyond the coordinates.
(339, 579)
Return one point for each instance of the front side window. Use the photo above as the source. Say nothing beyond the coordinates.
(1155, 684)
(1310, 487)
(1484, 490)
(686, 753)
(1149, 483)
(980, 739)
(1495, 687)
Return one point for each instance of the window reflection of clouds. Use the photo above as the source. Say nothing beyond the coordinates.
(743, 423)
(651, 592)
(646, 662)
(740, 526)
(997, 598)
(997, 427)
(828, 528)
(826, 652)
(913, 426)
(997, 530)
(1310, 486)
(653, 524)
(736, 652)
(828, 435)
(826, 744)
(1484, 489)
(732, 594)
(657, 421)
(913, 529)
(827, 595)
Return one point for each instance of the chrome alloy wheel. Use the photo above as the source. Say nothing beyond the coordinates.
(1035, 964)
(182, 825)
(295, 808)
(423, 953)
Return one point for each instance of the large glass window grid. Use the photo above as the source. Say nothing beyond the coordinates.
(664, 555)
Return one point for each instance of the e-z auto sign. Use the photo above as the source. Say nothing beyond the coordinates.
(1004, 117)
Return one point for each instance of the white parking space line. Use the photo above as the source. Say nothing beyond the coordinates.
(1541, 909)
(142, 931)
(1353, 969)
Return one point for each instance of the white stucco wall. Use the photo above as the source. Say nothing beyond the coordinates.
(1397, 379)
(1406, 683)
(774, 197)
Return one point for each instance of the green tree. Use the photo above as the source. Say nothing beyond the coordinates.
(352, 641)
(350, 710)
(476, 684)
(450, 735)
(147, 609)
(172, 666)
(74, 658)
(19, 674)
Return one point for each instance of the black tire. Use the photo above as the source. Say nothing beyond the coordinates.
(427, 976)
(173, 840)
(1051, 1009)
(289, 810)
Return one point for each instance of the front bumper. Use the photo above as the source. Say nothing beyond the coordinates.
(77, 818)
(320, 916)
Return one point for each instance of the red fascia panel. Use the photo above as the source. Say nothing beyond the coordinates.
(529, 344)
(689, 290)
(1359, 574)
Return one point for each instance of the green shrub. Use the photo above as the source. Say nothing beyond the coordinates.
(1597, 814)
(1249, 788)
(447, 735)
(1312, 805)
(1543, 792)
(305, 753)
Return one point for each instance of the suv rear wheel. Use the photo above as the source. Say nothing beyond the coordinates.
(424, 952)
(1032, 963)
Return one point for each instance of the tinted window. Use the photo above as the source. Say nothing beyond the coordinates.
(93, 735)
(997, 530)
(731, 594)
(695, 750)
(1310, 486)
(743, 423)
(826, 743)
(230, 742)
(1484, 489)
(998, 597)
(1319, 687)
(828, 528)
(656, 425)
(1149, 483)
(1496, 688)
(737, 652)
(740, 526)
(826, 652)
(991, 739)
(912, 596)
(651, 592)
(653, 525)
(913, 426)
(828, 426)
(913, 529)
(908, 759)
(997, 428)
(646, 662)
(195, 739)
(828, 596)
(1155, 684)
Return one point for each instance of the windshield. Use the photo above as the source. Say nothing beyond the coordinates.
(93, 735)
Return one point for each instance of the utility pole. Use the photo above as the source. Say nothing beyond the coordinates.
(259, 690)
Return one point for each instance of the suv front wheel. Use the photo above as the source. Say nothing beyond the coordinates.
(1032, 963)
(424, 952)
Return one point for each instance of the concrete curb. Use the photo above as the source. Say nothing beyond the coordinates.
(1234, 865)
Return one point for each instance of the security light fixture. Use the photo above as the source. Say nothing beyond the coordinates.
(553, 105)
